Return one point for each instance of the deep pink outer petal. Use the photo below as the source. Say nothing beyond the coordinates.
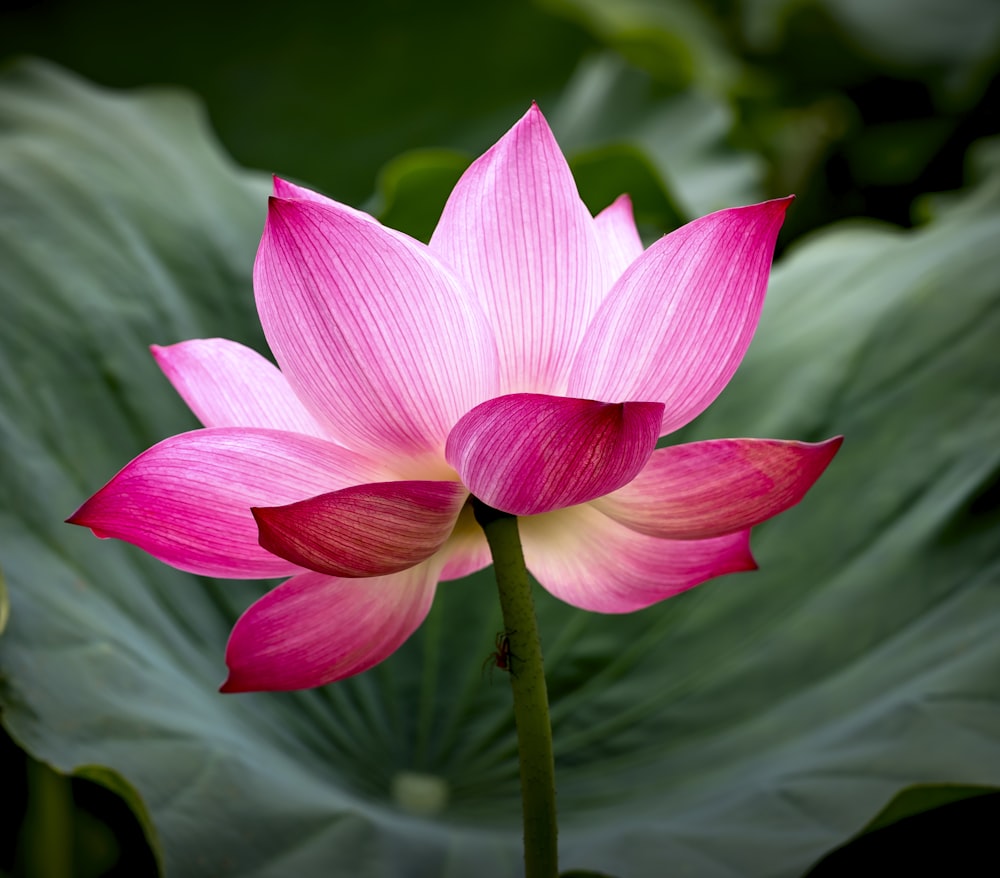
(364, 530)
(620, 241)
(678, 322)
(528, 453)
(587, 560)
(379, 340)
(516, 231)
(707, 489)
(228, 385)
(316, 629)
(187, 500)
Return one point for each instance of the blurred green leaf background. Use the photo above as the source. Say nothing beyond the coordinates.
(782, 712)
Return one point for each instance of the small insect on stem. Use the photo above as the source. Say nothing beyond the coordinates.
(501, 657)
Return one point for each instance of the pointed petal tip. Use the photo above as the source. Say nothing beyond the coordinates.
(285, 213)
(236, 683)
(82, 518)
(534, 117)
(747, 563)
(770, 212)
(827, 451)
(275, 203)
(780, 205)
(286, 202)
(739, 559)
(773, 206)
(285, 189)
(161, 353)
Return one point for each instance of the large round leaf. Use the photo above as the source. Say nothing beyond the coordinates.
(743, 728)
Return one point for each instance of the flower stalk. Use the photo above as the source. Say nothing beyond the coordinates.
(531, 700)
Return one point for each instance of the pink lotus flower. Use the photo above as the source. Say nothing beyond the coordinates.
(530, 355)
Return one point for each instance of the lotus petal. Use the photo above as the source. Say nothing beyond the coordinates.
(590, 561)
(364, 530)
(315, 629)
(707, 489)
(528, 453)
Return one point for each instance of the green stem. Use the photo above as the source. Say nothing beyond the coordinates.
(531, 699)
(47, 833)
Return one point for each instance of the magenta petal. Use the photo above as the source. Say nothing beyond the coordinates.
(706, 489)
(378, 339)
(517, 233)
(528, 453)
(316, 629)
(187, 500)
(228, 385)
(364, 530)
(676, 325)
(587, 560)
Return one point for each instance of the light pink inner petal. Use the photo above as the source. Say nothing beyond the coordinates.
(229, 385)
(187, 499)
(528, 453)
(378, 339)
(466, 550)
(620, 241)
(315, 629)
(587, 560)
(516, 231)
(706, 489)
(364, 530)
(678, 322)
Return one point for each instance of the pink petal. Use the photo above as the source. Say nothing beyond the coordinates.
(187, 500)
(364, 530)
(228, 385)
(315, 629)
(706, 489)
(620, 241)
(517, 232)
(378, 339)
(290, 192)
(587, 560)
(676, 325)
(528, 453)
(466, 550)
